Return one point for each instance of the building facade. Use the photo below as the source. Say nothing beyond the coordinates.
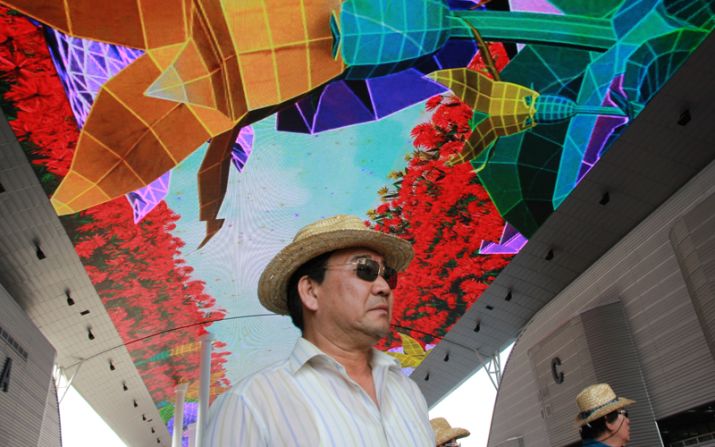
(641, 318)
(29, 409)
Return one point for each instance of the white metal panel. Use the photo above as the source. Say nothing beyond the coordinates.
(642, 271)
(31, 358)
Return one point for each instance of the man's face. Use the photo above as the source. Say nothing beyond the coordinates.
(625, 431)
(351, 305)
(621, 428)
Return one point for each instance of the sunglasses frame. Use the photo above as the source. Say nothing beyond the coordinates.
(369, 269)
(624, 412)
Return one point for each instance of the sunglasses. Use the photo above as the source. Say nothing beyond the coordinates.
(451, 444)
(623, 412)
(368, 269)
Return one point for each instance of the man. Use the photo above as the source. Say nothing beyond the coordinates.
(603, 421)
(445, 434)
(336, 281)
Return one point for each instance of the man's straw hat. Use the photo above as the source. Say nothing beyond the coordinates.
(323, 236)
(597, 401)
(443, 432)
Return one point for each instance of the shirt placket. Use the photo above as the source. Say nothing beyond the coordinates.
(379, 376)
(373, 409)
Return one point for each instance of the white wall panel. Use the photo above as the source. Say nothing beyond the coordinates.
(22, 406)
(643, 273)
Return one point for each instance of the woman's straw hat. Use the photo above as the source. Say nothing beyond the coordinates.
(323, 236)
(597, 401)
(443, 432)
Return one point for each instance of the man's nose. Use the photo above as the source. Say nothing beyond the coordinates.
(380, 287)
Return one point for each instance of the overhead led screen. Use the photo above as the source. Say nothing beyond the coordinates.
(183, 150)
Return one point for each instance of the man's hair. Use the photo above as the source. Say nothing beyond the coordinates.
(596, 428)
(315, 270)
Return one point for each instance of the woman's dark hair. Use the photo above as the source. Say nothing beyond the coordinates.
(315, 269)
(596, 428)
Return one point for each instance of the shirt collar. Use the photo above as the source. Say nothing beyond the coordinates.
(304, 351)
(379, 358)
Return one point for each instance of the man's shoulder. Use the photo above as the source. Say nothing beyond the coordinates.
(406, 383)
(392, 365)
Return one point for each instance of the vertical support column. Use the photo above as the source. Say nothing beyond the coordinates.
(204, 388)
(179, 414)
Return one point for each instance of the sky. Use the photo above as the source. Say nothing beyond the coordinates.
(470, 406)
(81, 425)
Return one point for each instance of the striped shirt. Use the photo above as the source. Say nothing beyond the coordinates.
(309, 400)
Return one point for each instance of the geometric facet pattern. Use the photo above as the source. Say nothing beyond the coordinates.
(242, 148)
(84, 65)
(145, 199)
(377, 35)
(511, 242)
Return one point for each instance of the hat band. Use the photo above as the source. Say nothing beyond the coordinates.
(586, 414)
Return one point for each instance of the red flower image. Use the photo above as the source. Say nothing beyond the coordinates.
(499, 57)
(137, 269)
(446, 214)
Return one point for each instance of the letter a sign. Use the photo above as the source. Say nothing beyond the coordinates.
(5, 377)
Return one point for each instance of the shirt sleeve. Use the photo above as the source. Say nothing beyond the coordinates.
(233, 423)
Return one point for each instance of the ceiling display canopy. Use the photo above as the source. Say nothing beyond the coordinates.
(184, 143)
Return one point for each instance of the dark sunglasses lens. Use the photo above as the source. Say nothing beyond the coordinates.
(368, 270)
(390, 276)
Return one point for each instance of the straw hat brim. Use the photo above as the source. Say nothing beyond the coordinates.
(449, 434)
(619, 403)
(273, 284)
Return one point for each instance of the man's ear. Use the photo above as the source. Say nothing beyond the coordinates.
(308, 293)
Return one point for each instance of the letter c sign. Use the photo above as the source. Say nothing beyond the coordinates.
(556, 373)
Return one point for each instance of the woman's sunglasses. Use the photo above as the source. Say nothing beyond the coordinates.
(367, 269)
(623, 412)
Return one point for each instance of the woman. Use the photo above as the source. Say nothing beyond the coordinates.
(602, 419)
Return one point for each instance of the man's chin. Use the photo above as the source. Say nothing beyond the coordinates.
(380, 332)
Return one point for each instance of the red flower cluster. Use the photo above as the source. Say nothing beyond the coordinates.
(498, 54)
(147, 290)
(446, 214)
(27, 69)
(137, 269)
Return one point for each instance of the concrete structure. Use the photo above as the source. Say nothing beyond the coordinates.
(641, 319)
(29, 411)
